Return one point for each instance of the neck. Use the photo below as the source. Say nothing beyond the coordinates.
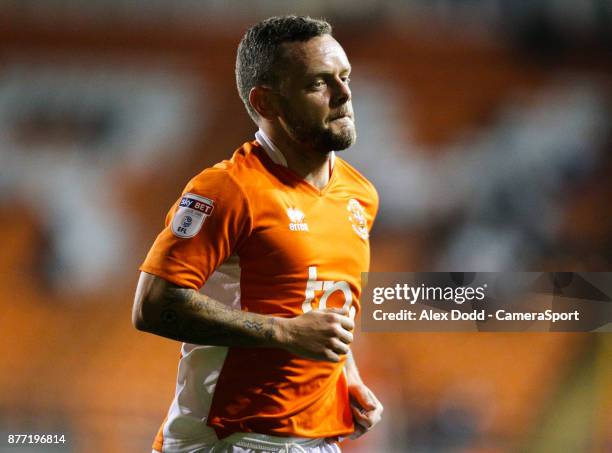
(310, 164)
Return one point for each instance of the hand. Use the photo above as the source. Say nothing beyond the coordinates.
(367, 410)
(318, 334)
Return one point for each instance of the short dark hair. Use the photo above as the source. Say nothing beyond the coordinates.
(260, 50)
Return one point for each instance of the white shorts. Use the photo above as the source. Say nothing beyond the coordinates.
(261, 443)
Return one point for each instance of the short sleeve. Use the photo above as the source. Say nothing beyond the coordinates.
(205, 226)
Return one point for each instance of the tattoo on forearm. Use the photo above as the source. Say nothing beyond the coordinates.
(189, 316)
(253, 325)
(261, 327)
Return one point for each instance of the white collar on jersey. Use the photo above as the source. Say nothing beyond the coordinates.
(275, 154)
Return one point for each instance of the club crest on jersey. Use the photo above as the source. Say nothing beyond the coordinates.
(191, 215)
(357, 218)
(297, 220)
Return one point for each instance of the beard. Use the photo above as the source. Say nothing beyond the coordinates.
(334, 137)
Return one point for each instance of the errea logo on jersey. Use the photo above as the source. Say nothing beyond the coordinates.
(297, 220)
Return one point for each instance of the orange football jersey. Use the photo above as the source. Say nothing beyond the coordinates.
(253, 234)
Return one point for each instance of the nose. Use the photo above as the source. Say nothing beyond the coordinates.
(342, 93)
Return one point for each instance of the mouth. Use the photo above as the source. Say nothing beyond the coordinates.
(342, 117)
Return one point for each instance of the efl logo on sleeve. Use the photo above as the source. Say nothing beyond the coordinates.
(191, 215)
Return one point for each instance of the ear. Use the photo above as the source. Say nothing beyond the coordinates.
(261, 99)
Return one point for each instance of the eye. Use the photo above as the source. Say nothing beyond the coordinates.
(346, 80)
(320, 83)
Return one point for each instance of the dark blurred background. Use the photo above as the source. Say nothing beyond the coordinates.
(486, 126)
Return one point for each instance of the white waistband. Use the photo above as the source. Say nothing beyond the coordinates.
(263, 441)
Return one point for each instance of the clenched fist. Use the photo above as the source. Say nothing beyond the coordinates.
(318, 334)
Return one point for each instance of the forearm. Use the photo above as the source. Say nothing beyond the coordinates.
(366, 408)
(183, 314)
(186, 315)
(352, 372)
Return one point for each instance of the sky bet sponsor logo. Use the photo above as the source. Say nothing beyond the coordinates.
(205, 205)
(190, 216)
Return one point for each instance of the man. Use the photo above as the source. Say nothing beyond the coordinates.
(276, 238)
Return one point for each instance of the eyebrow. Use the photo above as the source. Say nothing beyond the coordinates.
(327, 72)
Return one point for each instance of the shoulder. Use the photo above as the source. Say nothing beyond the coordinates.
(230, 175)
(215, 182)
(226, 183)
